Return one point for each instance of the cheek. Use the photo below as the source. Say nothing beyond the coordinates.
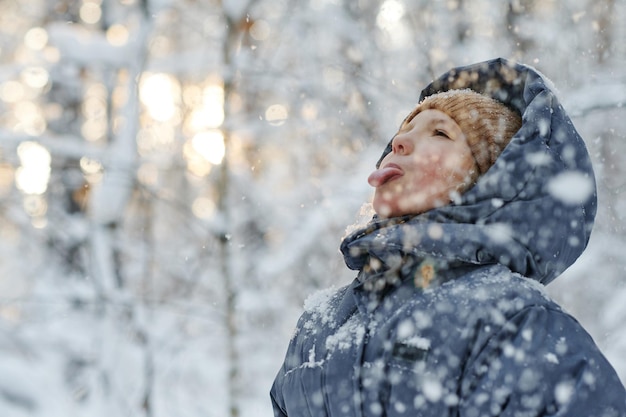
(430, 172)
(428, 162)
(456, 164)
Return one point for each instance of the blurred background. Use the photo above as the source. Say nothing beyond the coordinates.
(176, 177)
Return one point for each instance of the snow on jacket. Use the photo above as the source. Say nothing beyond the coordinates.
(448, 316)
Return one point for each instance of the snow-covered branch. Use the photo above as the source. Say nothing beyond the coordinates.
(590, 98)
(91, 48)
(68, 146)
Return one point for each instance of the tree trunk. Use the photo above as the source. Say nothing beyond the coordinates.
(232, 44)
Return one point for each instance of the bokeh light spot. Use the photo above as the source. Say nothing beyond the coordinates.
(90, 13)
(210, 145)
(276, 114)
(117, 35)
(34, 173)
(36, 38)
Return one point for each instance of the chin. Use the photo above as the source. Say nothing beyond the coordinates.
(387, 211)
(383, 209)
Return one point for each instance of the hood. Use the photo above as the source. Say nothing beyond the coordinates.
(532, 211)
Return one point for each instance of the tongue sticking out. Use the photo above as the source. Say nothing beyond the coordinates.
(384, 175)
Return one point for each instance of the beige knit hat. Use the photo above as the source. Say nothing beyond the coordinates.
(488, 124)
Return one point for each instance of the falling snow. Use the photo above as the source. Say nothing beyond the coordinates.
(571, 187)
(118, 228)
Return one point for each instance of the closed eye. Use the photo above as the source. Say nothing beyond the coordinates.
(439, 132)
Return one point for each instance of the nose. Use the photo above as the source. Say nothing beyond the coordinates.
(401, 145)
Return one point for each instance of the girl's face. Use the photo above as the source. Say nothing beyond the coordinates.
(430, 162)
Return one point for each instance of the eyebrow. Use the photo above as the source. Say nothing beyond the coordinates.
(437, 122)
(430, 125)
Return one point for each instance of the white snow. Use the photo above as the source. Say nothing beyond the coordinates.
(350, 334)
(75, 341)
(418, 342)
(571, 187)
(552, 358)
(563, 392)
(432, 389)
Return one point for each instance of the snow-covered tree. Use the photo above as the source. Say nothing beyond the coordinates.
(176, 176)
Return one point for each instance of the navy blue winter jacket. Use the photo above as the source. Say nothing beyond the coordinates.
(451, 319)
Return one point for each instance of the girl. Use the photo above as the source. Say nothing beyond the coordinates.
(447, 316)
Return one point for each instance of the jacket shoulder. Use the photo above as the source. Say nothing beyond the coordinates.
(498, 287)
(320, 309)
(542, 352)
